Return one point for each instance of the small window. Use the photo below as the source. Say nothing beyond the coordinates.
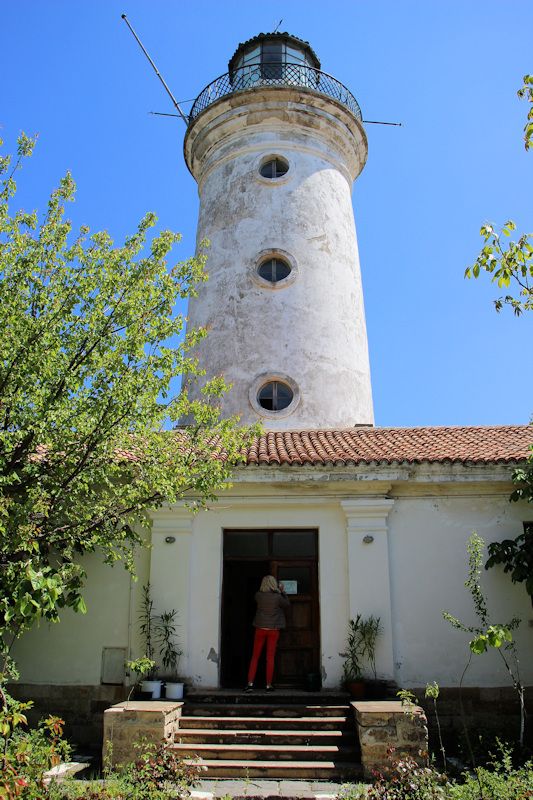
(246, 543)
(275, 396)
(274, 168)
(272, 61)
(274, 270)
(294, 544)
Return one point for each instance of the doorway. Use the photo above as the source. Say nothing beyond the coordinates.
(291, 555)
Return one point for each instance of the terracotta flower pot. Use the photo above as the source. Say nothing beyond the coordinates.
(356, 689)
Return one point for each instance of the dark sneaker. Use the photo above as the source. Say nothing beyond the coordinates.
(248, 688)
(269, 689)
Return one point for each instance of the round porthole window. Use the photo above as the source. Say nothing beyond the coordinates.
(274, 167)
(274, 270)
(275, 396)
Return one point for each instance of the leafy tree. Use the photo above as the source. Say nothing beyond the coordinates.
(510, 263)
(89, 425)
(527, 91)
(516, 556)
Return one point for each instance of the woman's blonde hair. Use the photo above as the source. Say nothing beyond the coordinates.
(269, 584)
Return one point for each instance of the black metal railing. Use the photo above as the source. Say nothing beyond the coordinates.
(254, 76)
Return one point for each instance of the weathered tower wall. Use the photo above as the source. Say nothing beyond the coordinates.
(308, 330)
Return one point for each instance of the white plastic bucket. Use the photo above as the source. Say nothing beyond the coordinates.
(152, 686)
(174, 691)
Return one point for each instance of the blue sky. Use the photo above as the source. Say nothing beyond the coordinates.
(449, 71)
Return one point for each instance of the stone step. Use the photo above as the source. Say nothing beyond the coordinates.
(266, 752)
(263, 736)
(315, 770)
(285, 696)
(262, 723)
(266, 709)
(279, 736)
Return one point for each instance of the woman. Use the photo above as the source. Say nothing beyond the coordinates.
(269, 619)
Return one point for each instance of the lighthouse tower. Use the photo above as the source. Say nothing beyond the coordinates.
(275, 145)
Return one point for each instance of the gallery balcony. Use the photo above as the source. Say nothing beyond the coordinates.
(257, 76)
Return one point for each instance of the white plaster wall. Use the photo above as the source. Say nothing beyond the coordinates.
(170, 573)
(369, 571)
(70, 651)
(428, 566)
(314, 329)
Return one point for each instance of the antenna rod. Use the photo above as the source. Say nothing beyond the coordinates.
(174, 101)
(373, 122)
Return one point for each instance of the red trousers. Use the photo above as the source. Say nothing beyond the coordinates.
(262, 635)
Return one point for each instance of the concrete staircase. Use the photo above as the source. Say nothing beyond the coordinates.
(284, 735)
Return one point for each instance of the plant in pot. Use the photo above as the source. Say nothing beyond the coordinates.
(360, 647)
(370, 630)
(167, 640)
(141, 666)
(150, 683)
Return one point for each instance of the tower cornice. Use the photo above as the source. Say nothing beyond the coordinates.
(304, 114)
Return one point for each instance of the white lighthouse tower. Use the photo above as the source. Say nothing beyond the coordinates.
(275, 145)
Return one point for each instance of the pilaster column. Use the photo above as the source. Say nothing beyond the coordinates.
(368, 570)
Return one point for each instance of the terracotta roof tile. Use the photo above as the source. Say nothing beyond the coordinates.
(502, 444)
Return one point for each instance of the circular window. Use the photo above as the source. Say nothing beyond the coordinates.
(274, 270)
(275, 396)
(274, 167)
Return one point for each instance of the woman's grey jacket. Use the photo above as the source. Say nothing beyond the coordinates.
(270, 610)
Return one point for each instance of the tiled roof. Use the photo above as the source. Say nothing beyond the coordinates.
(501, 444)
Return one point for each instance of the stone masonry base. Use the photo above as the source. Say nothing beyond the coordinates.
(385, 724)
(82, 707)
(126, 724)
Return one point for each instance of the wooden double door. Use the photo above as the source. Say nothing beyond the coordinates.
(292, 557)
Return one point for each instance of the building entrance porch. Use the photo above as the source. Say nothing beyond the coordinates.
(292, 557)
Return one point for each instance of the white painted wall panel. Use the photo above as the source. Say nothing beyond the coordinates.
(428, 562)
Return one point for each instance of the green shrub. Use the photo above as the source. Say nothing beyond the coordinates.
(156, 774)
(25, 755)
(353, 791)
(502, 781)
(406, 779)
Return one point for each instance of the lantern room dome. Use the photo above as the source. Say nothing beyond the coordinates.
(274, 48)
(274, 61)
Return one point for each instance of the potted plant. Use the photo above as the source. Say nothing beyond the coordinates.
(360, 647)
(370, 630)
(141, 666)
(166, 635)
(150, 684)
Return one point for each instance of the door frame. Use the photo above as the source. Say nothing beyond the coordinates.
(277, 560)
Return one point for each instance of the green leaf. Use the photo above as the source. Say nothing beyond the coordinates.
(479, 644)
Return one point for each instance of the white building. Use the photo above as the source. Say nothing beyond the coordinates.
(357, 519)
